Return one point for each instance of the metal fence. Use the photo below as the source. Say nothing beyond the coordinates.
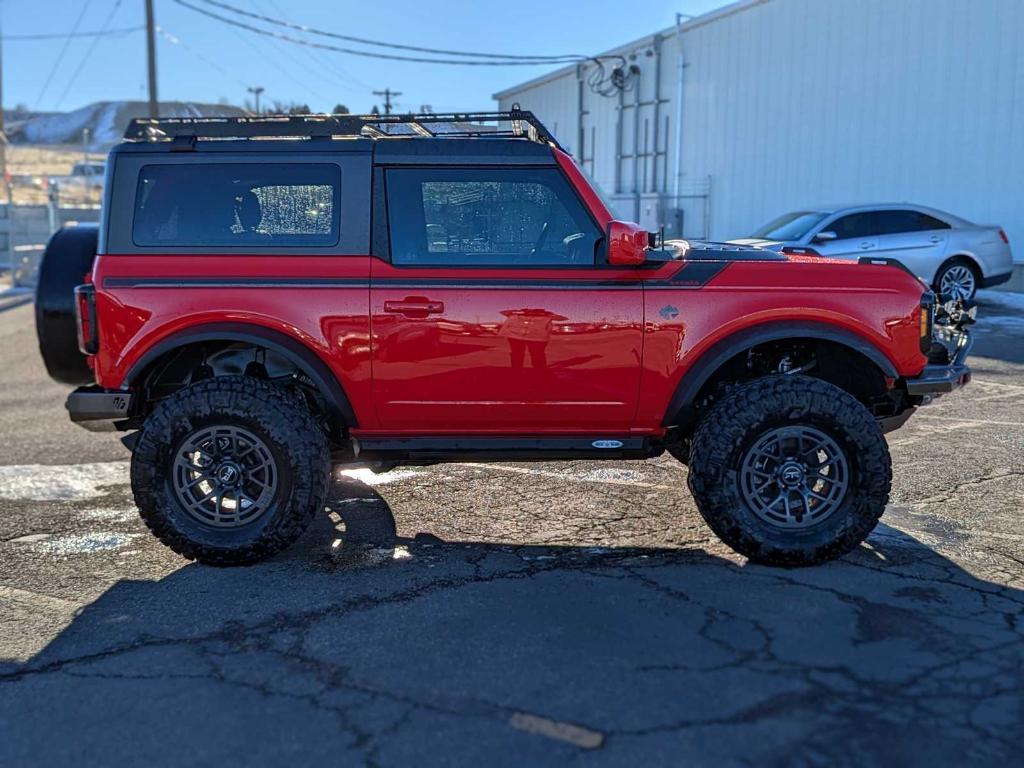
(24, 231)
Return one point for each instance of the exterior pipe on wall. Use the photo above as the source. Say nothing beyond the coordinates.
(657, 112)
(580, 153)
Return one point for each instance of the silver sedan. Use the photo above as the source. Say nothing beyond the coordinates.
(953, 255)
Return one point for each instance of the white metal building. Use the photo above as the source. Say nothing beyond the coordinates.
(766, 106)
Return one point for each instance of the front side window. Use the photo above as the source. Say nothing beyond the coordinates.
(487, 217)
(237, 204)
(854, 225)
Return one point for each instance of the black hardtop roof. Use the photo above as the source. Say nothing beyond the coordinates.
(184, 132)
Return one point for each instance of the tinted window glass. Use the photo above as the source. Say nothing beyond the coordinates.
(854, 225)
(483, 217)
(237, 204)
(895, 222)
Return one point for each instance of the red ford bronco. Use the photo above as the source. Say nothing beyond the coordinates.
(267, 295)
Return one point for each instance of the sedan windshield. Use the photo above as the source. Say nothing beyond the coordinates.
(790, 226)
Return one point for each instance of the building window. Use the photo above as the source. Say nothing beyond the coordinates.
(237, 205)
(487, 217)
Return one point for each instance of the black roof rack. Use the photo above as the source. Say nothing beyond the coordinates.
(514, 124)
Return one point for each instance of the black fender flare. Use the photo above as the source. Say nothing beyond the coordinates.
(723, 351)
(304, 359)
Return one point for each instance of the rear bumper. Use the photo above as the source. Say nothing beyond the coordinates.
(938, 379)
(98, 409)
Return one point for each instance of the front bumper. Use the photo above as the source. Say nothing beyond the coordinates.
(942, 377)
(98, 409)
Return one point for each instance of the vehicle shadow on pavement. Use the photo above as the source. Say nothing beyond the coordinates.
(361, 646)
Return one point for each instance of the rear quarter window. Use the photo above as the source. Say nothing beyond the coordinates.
(242, 205)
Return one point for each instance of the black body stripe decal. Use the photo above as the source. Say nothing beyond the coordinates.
(693, 274)
(690, 275)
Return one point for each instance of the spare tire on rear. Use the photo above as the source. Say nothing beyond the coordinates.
(66, 261)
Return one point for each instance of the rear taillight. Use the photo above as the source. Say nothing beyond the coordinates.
(926, 321)
(85, 315)
(1003, 237)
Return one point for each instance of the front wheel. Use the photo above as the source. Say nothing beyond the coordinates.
(790, 470)
(230, 470)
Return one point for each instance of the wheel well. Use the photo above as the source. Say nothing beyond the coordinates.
(189, 363)
(825, 359)
(965, 258)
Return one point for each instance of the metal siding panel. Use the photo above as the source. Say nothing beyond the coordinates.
(792, 103)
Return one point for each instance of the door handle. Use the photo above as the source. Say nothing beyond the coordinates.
(935, 239)
(865, 246)
(414, 306)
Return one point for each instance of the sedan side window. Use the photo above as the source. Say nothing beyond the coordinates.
(487, 217)
(852, 226)
(900, 222)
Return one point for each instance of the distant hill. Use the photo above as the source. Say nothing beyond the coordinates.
(106, 121)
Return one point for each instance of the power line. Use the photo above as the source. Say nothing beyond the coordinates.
(372, 54)
(264, 56)
(63, 50)
(173, 39)
(319, 57)
(609, 73)
(88, 54)
(62, 35)
(554, 58)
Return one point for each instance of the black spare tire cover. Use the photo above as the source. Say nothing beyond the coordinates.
(66, 261)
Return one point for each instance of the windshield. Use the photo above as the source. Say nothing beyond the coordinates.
(790, 226)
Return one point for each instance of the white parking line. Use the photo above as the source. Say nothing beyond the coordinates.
(971, 422)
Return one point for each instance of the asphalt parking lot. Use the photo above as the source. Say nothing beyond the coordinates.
(518, 614)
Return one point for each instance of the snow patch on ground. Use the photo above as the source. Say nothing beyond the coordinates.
(998, 310)
(1003, 300)
(77, 482)
(83, 543)
(40, 482)
(613, 475)
(114, 515)
(369, 477)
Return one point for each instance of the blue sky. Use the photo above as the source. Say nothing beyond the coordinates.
(203, 60)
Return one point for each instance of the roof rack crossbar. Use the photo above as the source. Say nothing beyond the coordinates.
(522, 124)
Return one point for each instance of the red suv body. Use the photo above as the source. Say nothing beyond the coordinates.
(441, 297)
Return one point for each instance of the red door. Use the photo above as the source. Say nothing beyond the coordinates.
(493, 316)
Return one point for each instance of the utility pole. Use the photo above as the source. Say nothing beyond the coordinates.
(154, 107)
(3, 141)
(387, 93)
(256, 91)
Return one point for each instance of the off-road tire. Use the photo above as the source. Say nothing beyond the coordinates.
(732, 426)
(269, 411)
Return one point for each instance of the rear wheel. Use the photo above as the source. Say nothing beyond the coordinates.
(230, 471)
(957, 279)
(790, 470)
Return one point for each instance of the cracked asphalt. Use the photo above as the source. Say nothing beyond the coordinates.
(516, 614)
